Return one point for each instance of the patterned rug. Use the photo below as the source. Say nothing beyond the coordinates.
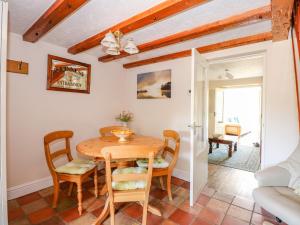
(245, 158)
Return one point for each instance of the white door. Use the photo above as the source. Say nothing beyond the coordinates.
(199, 126)
(3, 46)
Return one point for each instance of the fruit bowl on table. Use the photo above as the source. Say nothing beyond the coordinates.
(122, 134)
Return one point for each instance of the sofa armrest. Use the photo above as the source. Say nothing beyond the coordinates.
(273, 176)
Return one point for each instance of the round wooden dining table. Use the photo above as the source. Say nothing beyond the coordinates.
(92, 148)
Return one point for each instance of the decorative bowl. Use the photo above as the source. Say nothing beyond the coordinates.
(122, 134)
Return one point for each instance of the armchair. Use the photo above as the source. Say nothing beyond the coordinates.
(274, 195)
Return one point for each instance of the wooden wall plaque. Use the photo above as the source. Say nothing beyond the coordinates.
(20, 67)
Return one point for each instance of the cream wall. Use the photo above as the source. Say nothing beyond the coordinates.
(34, 111)
(281, 125)
(152, 116)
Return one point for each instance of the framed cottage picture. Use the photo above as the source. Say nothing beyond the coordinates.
(154, 85)
(68, 75)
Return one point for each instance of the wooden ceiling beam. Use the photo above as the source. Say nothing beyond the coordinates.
(217, 26)
(281, 18)
(58, 11)
(204, 49)
(161, 11)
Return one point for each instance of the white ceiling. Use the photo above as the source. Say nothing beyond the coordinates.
(98, 15)
(240, 68)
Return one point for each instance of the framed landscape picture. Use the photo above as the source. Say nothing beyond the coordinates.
(154, 85)
(68, 75)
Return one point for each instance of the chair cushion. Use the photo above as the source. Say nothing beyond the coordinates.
(76, 166)
(129, 185)
(159, 162)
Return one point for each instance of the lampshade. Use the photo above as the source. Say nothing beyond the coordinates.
(130, 47)
(109, 40)
(113, 51)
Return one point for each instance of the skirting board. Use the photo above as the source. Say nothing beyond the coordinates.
(30, 187)
(181, 174)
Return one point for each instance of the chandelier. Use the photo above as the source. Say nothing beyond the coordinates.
(112, 44)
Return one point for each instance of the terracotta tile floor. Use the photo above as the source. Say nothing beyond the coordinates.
(226, 200)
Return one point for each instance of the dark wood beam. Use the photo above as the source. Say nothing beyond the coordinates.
(161, 11)
(204, 49)
(58, 11)
(217, 26)
(281, 18)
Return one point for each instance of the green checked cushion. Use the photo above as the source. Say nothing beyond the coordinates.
(129, 185)
(158, 163)
(76, 166)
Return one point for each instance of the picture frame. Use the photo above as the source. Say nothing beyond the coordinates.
(296, 52)
(154, 85)
(68, 75)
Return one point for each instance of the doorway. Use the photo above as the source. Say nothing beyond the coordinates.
(235, 112)
(227, 98)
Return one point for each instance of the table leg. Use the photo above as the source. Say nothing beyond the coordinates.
(154, 210)
(210, 147)
(230, 150)
(235, 146)
(104, 214)
(218, 145)
(103, 190)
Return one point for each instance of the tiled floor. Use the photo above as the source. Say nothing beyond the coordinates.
(225, 200)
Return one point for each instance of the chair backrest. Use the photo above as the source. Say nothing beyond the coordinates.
(175, 137)
(54, 136)
(233, 129)
(106, 131)
(126, 152)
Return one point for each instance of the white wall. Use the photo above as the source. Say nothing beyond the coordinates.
(281, 123)
(34, 111)
(281, 118)
(152, 116)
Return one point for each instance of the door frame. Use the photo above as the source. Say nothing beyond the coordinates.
(3, 52)
(249, 55)
(243, 55)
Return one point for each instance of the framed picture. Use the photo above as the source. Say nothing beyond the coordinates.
(296, 52)
(68, 75)
(154, 85)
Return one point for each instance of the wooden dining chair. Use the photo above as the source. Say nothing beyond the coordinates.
(75, 171)
(106, 131)
(129, 184)
(161, 167)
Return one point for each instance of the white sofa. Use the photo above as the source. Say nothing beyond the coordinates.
(274, 195)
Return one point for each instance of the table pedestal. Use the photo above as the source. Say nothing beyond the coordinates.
(105, 212)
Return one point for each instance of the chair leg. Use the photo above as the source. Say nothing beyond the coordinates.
(145, 212)
(56, 192)
(169, 187)
(112, 213)
(96, 181)
(79, 197)
(161, 180)
(70, 189)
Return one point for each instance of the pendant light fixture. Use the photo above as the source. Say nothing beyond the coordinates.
(112, 44)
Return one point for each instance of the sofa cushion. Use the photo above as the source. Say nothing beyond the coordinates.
(159, 162)
(280, 201)
(129, 185)
(292, 164)
(76, 166)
